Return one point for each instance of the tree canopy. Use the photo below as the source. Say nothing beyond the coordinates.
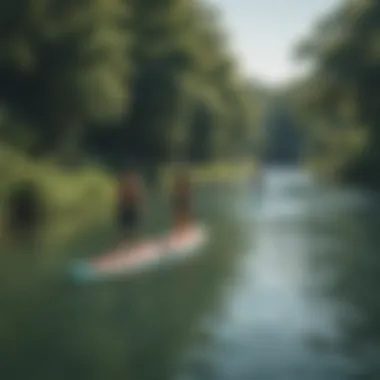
(340, 100)
(150, 79)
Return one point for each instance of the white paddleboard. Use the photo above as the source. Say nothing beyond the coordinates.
(141, 257)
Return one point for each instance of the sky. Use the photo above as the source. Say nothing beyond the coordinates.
(262, 33)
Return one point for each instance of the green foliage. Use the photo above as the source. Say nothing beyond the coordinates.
(115, 80)
(63, 65)
(342, 94)
(110, 80)
(71, 201)
(150, 77)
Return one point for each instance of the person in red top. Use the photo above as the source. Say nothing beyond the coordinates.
(182, 201)
(130, 203)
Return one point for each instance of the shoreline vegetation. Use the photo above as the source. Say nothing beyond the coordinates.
(69, 200)
(338, 101)
(92, 88)
(74, 201)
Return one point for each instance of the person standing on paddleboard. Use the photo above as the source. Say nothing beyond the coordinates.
(131, 204)
(182, 201)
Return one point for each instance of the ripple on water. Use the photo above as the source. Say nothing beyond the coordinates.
(276, 322)
(271, 320)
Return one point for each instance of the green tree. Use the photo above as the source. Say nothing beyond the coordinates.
(64, 64)
(343, 94)
(121, 79)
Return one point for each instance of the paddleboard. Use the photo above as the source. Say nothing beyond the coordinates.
(138, 258)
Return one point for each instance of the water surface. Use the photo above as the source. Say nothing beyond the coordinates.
(287, 288)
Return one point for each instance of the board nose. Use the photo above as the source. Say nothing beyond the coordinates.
(81, 271)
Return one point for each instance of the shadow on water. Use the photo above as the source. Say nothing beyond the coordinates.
(125, 328)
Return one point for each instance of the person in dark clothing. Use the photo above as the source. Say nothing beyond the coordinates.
(131, 201)
(182, 201)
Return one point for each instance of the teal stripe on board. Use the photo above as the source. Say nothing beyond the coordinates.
(81, 271)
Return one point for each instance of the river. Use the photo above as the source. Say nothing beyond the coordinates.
(304, 305)
(286, 289)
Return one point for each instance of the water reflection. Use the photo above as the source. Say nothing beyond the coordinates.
(355, 284)
(303, 291)
(287, 289)
(116, 330)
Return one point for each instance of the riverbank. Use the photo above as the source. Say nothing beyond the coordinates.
(72, 200)
(215, 172)
(115, 328)
(76, 201)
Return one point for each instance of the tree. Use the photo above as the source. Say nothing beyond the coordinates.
(64, 64)
(123, 80)
(344, 92)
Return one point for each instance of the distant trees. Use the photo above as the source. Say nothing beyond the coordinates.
(149, 79)
(340, 101)
(64, 64)
(282, 134)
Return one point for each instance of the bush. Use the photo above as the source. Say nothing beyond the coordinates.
(25, 209)
(67, 200)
